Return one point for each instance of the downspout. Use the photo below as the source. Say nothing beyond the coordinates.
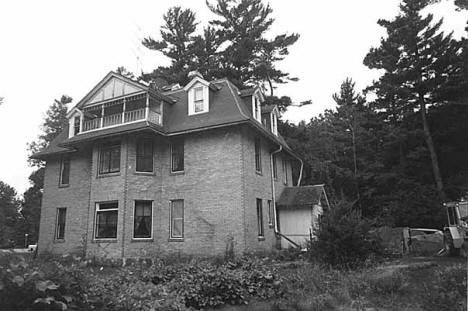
(273, 197)
(300, 172)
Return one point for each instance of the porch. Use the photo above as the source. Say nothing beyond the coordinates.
(119, 111)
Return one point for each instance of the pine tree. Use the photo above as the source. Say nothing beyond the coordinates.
(249, 57)
(178, 43)
(419, 63)
(54, 123)
(8, 214)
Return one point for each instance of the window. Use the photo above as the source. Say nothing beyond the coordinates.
(76, 125)
(144, 155)
(60, 224)
(256, 109)
(258, 156)
(285, 171)
(274, 123)
(275, 167)
(177, 156)
(271, 214)
(198, 99)
(143, 220)
(260, 218)
(177, 219)
(109, 159)
(106, 220)
(64, 171)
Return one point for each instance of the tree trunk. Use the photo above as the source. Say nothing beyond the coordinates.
(430, 146)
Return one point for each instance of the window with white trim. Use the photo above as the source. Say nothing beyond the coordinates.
(198, 99)
(258, 155)
(177, 219)
(256, 109)
(274, 123)
(106, 220)
(143, 220)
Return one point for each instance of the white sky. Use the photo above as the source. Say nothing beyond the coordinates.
(50, 48)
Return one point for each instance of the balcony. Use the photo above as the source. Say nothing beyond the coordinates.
(122, 111)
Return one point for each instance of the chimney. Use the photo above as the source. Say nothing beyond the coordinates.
(193, 74)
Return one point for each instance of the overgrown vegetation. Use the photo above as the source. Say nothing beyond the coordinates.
(343, 238)
(74, 284)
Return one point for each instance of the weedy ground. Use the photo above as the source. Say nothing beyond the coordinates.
(269, 283)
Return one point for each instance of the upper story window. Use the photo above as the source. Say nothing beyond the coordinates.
(64, 171)
(274, 123)
(275, 167)
(258, 156)
(177, 155)
(198, 99)
(109, 159)
(256, 109)
(76, 125)
(144, 155)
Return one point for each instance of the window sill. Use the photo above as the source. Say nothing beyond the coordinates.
(261, 238)
(110, 240)
(144, 173)
(58, 241)
(137, 240)
(176, 240)
(176, 173)
(108, 175)
(64, 186)
(259, 173)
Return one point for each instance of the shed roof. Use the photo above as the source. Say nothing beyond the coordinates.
(300, 197)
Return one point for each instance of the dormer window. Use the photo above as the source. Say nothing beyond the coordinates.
(77, 124)
(198, 99)
(274, 122)
(256, 109)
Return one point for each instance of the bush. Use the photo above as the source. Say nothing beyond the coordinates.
(25, 287)
(343, 238)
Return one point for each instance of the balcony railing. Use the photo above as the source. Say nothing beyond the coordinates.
(134, 115)
(116, 119)
(112, 119)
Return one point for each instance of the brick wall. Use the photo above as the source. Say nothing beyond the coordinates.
(75, 198)
(259, 186)
(219, 187)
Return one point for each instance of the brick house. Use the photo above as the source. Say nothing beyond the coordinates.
(186, 170)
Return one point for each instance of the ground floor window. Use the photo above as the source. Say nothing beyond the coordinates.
(270, 214)
(177, 219)
(143, 220)
(106, 220)
(260, 218)
(60, 224)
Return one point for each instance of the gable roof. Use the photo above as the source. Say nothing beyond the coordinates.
(300, 197)
(106, 89)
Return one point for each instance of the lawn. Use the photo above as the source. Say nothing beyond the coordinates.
(250, 283)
